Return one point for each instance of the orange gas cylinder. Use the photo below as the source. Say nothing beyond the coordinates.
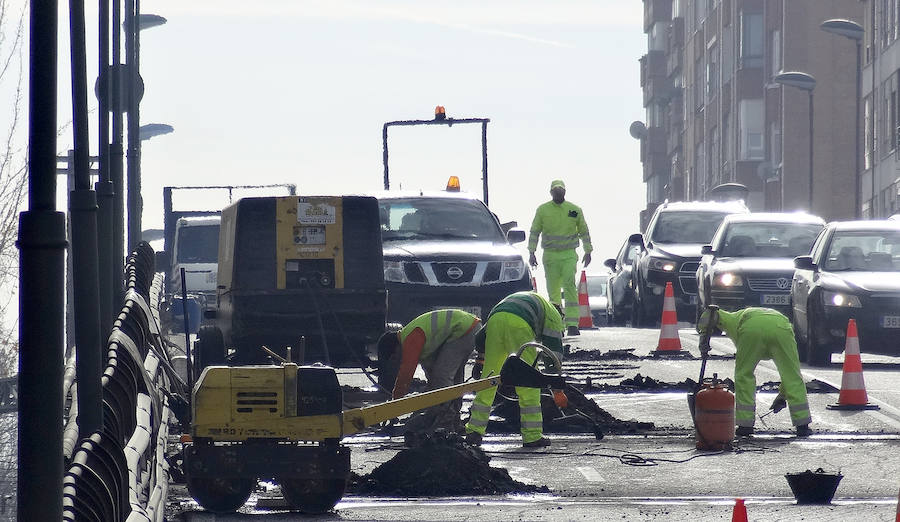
(714, 416)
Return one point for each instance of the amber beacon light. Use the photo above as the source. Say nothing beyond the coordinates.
(453, 184)
(440, 113)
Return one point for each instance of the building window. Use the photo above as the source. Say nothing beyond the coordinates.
(750, 133)
(699, 77)
(699, 11)
(775, 58)
(712, 72)
(727, 62)
(870, 133)
(775, 147)
(699, 169)
(727, 147)
(714, 164)
(751, 39)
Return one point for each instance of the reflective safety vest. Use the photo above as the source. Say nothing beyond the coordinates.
(560, 226)
(439, 326)
(541, 316)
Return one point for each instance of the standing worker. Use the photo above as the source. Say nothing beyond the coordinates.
(562, 224)
(441, 341)
(761, 333)
(519, 318)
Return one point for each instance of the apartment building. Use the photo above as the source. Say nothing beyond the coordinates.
(881, 99)
(725, 119)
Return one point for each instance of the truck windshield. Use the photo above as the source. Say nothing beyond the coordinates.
(437, 218)
(198, 244)
(686, 227)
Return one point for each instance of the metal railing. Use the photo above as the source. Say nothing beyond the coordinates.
(119, 473)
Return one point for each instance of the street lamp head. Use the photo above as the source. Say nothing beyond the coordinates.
(800, 80)
(846, 28)
(637, 129)
(150, 130)
(146, 21)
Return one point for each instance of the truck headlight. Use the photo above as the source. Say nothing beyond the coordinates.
(729, 279)
(512, 270)
(839, 299)
(393, 271)
(663, 265)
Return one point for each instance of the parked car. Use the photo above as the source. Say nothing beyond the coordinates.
(670, 252)
(596, 287)
(750, 261)
(619, 294)
(446, 250)
(853, 271)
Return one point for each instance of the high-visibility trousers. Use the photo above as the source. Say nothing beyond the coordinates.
(767, 341)
(559, 271)
(506, 333)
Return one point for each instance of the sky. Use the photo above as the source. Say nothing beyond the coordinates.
(297, 91)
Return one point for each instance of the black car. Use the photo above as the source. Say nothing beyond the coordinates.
(853, 271)
(670, 252)
(751, 260)
(446, 250)
(619, 294)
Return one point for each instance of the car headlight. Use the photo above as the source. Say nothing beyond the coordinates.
(729, 279)
(663, 265)
(840, 299)
(512, 270)
(393, 271)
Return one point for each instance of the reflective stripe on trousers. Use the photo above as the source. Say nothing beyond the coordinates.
(559, 271)
(506, 332)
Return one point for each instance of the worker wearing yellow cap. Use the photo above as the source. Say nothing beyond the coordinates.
(561, 225)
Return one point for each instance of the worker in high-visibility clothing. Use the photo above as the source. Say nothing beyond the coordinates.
(441, 341)
(561, 225)
(519, 318)
(758, 334)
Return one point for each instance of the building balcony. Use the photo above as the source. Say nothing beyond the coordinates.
(652, 64)
(656, 165)
(656, 11)
(657, 88)
(673, 142)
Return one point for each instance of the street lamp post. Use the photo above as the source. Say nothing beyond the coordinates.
(853, 31)
(805, 82)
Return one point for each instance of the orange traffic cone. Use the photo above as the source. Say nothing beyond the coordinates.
(584, 307)
(669, 342)
(740, 511)
(853, 387)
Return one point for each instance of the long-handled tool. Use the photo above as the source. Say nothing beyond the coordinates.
(705, 335)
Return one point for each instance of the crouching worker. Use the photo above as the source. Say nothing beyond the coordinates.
(441, 341)
(519, 318)
(761, 333)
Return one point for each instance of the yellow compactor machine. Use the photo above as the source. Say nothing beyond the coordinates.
(285, 423)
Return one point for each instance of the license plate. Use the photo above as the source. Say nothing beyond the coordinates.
(474, 310)
(890, 321)
(776, 299)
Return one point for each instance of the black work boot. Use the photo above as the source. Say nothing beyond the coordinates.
(573, 330)
(542, 442)
(473, 438)
(744, 431)
(804, 430)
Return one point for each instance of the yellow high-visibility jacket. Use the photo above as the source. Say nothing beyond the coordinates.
(561, 226)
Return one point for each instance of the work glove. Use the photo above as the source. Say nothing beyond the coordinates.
(532, 259)
(477, 368)
(561, 399)
(586, 260)
(778, 404)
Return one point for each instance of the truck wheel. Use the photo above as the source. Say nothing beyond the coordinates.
(220, 494)
(818, 353)
(209, 349)
(312, 496)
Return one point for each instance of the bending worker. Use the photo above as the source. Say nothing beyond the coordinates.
(761, 333)
(561, 223)
(519, 318)
(441, 341)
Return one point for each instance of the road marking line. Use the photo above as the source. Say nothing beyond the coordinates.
(590, 474)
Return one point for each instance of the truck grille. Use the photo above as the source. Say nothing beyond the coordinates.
(688, 284)
(770, 284)
(453, 273)
(414, 273)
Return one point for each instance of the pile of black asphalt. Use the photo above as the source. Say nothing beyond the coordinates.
(441, 464)
(627, 354)
(582, 415)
